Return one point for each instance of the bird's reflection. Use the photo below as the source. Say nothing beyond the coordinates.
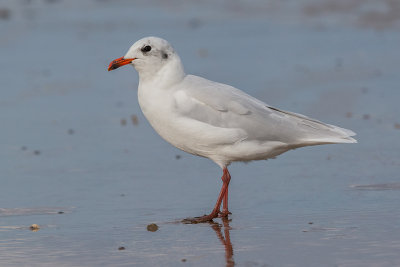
(225, 239)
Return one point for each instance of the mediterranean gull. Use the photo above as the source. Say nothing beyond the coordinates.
(215, 120)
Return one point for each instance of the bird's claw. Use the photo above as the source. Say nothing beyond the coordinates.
(201, 219)
(224, 214)
(196, 220)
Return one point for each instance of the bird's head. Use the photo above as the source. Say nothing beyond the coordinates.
(148, 56)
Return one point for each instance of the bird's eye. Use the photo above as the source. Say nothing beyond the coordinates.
(146, 48)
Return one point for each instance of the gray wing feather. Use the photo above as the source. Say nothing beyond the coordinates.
(225, 106)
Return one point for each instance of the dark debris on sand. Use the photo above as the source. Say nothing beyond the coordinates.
(152, 227)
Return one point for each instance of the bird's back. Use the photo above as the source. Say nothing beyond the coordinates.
(225, 106)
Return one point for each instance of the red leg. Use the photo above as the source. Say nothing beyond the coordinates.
(214, 213)
(225, 212)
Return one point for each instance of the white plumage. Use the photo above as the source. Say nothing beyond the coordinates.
(215, 120)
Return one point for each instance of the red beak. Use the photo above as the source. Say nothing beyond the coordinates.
(116, 63)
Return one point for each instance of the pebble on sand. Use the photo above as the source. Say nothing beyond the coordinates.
(135, 120)
(366, 116)
(5, 13)
(34, 227)
(152, 227)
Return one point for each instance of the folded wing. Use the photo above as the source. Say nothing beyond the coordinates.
(225, 107)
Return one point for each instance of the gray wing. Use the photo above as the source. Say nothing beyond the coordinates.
(224, 106)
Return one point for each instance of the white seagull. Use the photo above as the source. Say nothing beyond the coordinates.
(215, 120)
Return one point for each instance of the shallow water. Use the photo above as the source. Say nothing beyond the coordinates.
(74, 161)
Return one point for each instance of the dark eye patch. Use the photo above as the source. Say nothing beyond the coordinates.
(146, 48)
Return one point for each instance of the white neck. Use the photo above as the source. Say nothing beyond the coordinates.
(169, 74)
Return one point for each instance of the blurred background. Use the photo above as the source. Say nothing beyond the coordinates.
(79, 159)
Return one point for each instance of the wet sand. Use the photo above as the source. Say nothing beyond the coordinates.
(85, 181)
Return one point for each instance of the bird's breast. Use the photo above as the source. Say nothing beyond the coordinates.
(159, 109)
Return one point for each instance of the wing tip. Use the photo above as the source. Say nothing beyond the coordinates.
(350, 140)
(332, 140)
